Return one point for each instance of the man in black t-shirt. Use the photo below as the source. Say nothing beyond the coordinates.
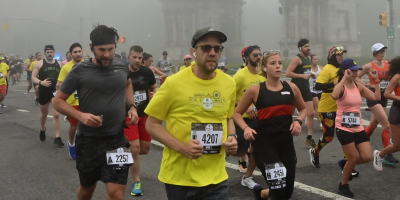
(144, 86)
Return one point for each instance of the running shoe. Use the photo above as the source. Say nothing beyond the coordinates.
(36, 101)
(314, 158)
(342, 163)
(390, 159)
(137, 189)
(2, 105)
(1, 111)
(42, 135)
(310, 143)
(344, 190)
(58, 142)
(377, 161)
(242, 165)
(72, 151)
(248, 182)
(257, 192)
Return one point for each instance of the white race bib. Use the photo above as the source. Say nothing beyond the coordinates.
(276, 173)
(210, 136)
(350, 120)
(221, 64)
(276, 176)
(55, 92)
(1, 75)
(120, 156)
(166, 68)
(307, 71)
(76, 94)
(140, 96)
(383, 84)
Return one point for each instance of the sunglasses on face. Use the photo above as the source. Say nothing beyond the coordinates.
(256, 54)
(207, 48)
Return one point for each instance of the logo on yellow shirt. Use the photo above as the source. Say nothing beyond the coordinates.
(207, 101)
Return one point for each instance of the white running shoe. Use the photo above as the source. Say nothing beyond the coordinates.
(377, 161)
(391, 141)
(320, 126)
(248, 182)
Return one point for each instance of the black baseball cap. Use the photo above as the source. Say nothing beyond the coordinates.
(164, 53)
(49, 47)
(205, 31)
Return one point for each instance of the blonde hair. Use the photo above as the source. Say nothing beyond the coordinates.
(263, 62)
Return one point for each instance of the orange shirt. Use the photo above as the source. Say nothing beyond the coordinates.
(383, 73)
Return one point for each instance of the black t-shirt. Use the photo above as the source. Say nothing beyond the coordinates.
(141, 82)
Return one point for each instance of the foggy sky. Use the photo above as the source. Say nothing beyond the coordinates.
(136, 19)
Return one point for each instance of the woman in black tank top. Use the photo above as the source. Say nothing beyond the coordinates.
(272, 140)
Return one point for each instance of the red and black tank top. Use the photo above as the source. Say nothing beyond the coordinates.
(275, 109)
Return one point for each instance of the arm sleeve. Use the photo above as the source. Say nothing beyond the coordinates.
(161, 102)
(322, 86)
(71, 82)
(322, 80)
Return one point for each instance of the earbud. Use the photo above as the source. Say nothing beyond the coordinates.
(300, 48)
(265, 69)
(194, 54)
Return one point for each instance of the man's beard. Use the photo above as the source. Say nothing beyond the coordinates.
(99, 60)
(49, 58)
(254, 64)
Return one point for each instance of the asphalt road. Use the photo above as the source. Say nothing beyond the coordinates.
(31, 169)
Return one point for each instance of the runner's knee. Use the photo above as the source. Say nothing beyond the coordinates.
(366, 158)
(115, 195)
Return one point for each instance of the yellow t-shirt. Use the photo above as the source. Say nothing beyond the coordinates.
(27, 60)
(61, 77)
(328, 74)
(32, 65)
(183, 67)
(184, 99)
(245, 79)
(4, 68)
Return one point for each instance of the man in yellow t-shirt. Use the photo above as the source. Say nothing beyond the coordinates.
(244, 79)
(187, 59)
(4, 72)
(199, 129)
(76, 53)
(36, 86)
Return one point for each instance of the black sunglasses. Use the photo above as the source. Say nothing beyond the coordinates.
(207, 48)
(256, 54)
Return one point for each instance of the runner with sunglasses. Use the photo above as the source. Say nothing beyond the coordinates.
(272, 138)
(197, 105)
(394, 113)
(45, 74)
(244, 79)
(378, 108)
(299, 70)
(349, 129)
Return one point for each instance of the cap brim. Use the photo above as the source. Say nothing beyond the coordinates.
(355, 68)
(222, 37)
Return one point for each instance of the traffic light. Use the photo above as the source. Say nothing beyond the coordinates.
(121, 40)
(383, 19)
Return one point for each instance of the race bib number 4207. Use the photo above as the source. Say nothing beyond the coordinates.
(210, 136)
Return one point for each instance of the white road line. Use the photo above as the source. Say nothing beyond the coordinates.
(297, 185)
(20, 110)
(18, 90)
(365, 122)
(49, 116)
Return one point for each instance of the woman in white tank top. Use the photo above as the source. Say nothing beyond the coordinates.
(316, 94)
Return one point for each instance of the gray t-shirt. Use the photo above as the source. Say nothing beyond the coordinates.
(164, 64)
(101, 91)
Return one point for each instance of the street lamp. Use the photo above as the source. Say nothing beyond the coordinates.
(149, 36)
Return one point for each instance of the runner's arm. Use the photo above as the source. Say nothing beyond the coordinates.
(35, 73)
(337, 92)
(63, 107)
(154, 88)
(58, 85)
(248, 98)
(292, 66)
(368, 94)
(390, 88)
(365, 70)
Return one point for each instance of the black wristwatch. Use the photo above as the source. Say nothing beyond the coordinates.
(300, 122)
(133, 105)
(234, 135)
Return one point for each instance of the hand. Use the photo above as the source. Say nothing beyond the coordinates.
(230, 145)
(45, 83)
(193, 149)
(132, 114)
(151, 94)
(90, 120)
(295, 128)
(251, 113)
(306, 76)
(313, 76)
(248, 134)
(373, 73)
(164, 76)
(161, 69)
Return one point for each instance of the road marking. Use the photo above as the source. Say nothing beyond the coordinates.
(297, 185)
(49, 116)
(18, 90)
(20, 110)
(364, 121)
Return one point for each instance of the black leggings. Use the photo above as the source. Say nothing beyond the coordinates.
(270, 150)
(328, 128)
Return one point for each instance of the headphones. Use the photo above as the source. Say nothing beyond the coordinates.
(194, 54)
(300, 48)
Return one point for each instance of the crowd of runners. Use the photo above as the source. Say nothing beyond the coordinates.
(115, 108)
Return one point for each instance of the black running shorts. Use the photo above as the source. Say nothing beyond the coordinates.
(242, 143)
(91, 161)
(394, 114)
(306, 94)
(383, 100)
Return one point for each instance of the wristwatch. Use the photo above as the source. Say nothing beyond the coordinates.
(300, 122)
(133, 105)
